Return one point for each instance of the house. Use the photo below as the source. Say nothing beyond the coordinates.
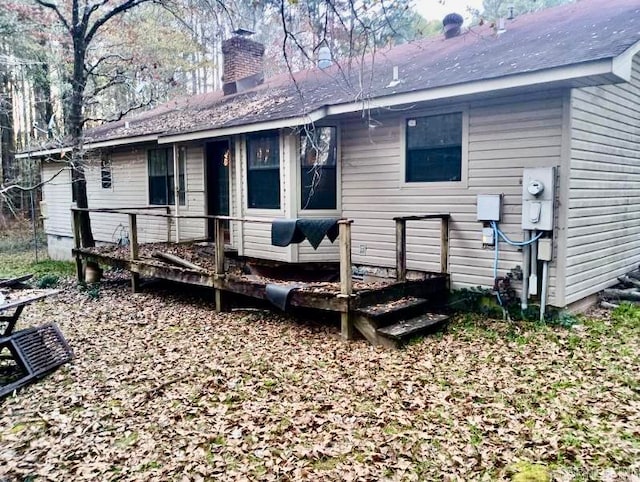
(427, 127)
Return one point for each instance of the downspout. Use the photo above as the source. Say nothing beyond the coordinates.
(533, 277)
(543, 295)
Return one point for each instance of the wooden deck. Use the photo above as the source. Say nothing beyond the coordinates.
(208, 265)
(323, 295)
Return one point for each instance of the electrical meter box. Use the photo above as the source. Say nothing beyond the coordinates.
(538, 197)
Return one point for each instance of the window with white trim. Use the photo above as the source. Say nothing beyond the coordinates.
(263, 170)
(318, 156)
(434, 148)
(162, 177)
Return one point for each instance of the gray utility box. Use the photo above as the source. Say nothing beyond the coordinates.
(538, 196)
(488, 207)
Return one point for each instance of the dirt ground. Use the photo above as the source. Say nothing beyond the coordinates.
(163, 388)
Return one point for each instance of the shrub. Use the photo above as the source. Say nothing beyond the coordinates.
(47, 281)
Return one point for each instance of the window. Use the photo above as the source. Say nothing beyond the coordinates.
(106, 173)
(161, 178)
(182, 168)
(318, 155)
(263, 171)
(434, 148)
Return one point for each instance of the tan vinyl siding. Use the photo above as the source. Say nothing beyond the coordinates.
(57, 196)
(504, 136)
(603, 235)
(129, 189)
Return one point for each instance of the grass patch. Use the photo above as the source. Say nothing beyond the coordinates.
(627, 315)
(22, 263)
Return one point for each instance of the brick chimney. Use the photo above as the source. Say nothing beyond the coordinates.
(242, 63)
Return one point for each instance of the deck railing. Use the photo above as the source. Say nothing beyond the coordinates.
(344, 226)
(401, 242)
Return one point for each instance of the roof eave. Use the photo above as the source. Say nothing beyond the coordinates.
(566, 75)
(119, 141)
(622, 65)
(309, 118)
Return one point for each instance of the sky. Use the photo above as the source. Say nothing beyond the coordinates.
(437, 9)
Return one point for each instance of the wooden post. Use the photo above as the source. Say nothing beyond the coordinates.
(346, 278)
(219, 259)
(444, 244)
(401, 249)
(133, 249)
(219, 240)
(77, 244)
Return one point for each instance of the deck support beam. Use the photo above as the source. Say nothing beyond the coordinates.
(444, 244)
(219, 259)
(401, 249)
(133, 251)
(346, 279)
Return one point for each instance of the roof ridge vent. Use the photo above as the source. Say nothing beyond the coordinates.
(452, 24)
(324, 57)
(396, 78)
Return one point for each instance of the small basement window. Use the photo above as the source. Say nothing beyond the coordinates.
(263, 170)
(106, 173)
(434, 148)
(318, 155)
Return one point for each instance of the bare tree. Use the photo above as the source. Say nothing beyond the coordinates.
(82, 20)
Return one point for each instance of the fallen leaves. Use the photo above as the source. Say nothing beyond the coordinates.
(163, 386)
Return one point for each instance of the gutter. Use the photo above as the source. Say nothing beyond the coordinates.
(122, 141)
(310, 118)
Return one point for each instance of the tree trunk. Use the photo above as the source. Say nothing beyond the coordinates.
(76, 123)
(7, 147)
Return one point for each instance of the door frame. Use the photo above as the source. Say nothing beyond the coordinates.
(208, 173)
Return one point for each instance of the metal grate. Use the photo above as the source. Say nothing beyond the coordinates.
(37, 351)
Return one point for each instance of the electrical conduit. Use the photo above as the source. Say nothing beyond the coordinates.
(497, 234)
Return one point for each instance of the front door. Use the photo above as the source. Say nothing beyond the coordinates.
(218, 156)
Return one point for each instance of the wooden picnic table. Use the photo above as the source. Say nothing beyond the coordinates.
(18, 303)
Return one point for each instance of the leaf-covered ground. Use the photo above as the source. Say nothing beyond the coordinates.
(163, 388)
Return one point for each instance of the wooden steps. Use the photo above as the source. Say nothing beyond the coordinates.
(393, 323)
(405, 307)
(405, 329)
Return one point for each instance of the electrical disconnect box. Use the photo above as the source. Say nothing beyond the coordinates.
(538, 195)
(545, 249)
(488, 207)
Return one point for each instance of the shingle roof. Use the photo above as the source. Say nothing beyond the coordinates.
(581, 32)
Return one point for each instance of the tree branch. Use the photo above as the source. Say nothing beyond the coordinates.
(6, 189)
(123, 7)
(54, 7)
